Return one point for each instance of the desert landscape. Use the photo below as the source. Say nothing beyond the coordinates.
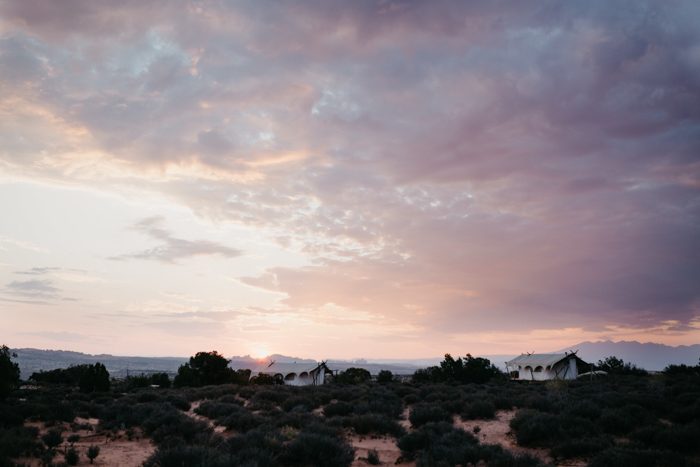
(338, 233)
(462, 412)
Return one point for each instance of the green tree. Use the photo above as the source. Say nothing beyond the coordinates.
(52, 438)
(354, 376)
(464, 370)
(385, 376)
(203, 369)
(94, 378)
(71, 456)
(92, 452)
(617, 366)
(9, 372)
(264, 379)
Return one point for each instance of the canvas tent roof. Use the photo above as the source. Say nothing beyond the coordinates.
(538, 359)
(286, 367)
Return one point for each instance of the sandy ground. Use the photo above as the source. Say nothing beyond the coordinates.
(385, 446)
(497, 431)
(405, 422)
(115, 448)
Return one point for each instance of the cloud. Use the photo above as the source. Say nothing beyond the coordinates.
(39, 271)
(218, 316)
(172, 248)
(461, 166)
(35, 288)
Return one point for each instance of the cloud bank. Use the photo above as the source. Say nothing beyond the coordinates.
(455, 166)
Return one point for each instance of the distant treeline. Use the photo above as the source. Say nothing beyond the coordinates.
(90, 378)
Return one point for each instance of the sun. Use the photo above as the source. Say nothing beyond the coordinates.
(259, 352)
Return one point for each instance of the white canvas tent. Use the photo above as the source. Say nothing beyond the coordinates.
(544, 366)
(298, 374)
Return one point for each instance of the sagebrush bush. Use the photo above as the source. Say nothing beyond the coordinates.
(299, 403)
(336, 409)
(242, 421)
(216, 409)
(423, 413)
(534, 428)
(620, 456)
(18, 441)
(479, 410)
(318, 449)
(188, 456)
(581, 447)
(375, 424)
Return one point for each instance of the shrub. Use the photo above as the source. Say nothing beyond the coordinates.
(353, 376)
(439, 444)
(335, 409)
(216, 409)
(373, 457)
(584, 409)
(52, 438)
(374, 423)
(535, 428)
(168, 426)
(410, 399)
(318, 449)
(92, 452)
(580, 447)
(179, 403)
(11, 415)
(242, 421)
(623, 420)
(188, 456)
(299, 403)
(18, 441)
(274, 396)
(677, 438)
(71, 456)
(424, 413)
(618, 456)
(9, 372)
(385, 376)
(263, 379)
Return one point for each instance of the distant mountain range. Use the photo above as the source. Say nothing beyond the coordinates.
(33, 360)
(645, 355)
(648, 355)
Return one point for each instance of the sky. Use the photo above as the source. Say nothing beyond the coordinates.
(334, 179)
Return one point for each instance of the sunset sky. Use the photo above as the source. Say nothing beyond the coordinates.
(341, 179)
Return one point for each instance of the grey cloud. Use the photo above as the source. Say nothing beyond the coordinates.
(39, 271)
(173, 248)
(37, 288)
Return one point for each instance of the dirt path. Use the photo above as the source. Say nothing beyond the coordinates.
(220, 429)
